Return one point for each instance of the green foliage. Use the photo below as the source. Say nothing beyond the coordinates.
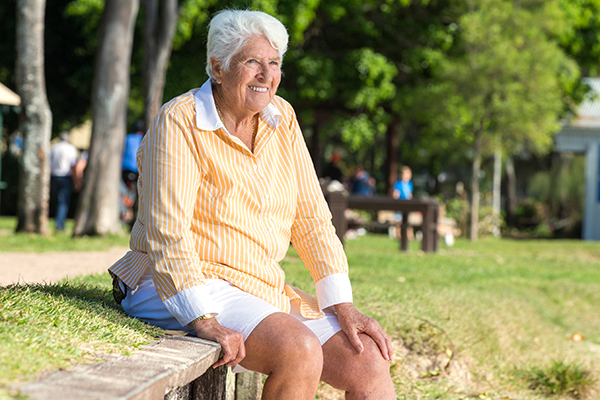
(560, 378)
(561, 190)
(502, 79)
(531, 212)
(364, 128)
(88, 14)
(581, 38)
(376, 73)
(436, 71)
(194, 15)
(488, 221)
(458, 210)
(315, 78)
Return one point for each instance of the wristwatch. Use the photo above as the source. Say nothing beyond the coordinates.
(203, 317)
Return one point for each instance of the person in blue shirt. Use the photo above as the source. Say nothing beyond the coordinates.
(129, 172)
(403, 190)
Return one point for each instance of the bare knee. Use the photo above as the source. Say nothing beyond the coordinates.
(368, 365)
(303, 354)
(362, 375)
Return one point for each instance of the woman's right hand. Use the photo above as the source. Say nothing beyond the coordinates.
(232, 342)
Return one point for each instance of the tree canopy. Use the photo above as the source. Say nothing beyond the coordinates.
(430, 83)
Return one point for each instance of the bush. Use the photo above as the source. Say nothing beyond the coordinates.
(488, 221)
(561, 378)
(530, 213)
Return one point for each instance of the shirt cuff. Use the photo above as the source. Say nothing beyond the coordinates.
(333, 289)
(190, 304)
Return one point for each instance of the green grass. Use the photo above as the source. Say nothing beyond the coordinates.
(560, 378)
(47, 327)
(56, 241)
(494, 305)
(475, 321)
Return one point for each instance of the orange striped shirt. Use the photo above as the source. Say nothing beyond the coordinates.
(209, 208)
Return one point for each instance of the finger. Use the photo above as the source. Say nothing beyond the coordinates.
(384, 343)
(355, 340)
(218, 363)
(390, 348)
(227, 355)
(241, 354)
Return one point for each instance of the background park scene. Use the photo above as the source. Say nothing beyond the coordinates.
(493, 104)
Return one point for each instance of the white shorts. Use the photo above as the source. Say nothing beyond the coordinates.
(242, 311)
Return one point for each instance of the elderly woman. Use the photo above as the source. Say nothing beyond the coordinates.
(225, 183)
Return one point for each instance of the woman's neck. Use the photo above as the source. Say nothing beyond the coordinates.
(241, 125)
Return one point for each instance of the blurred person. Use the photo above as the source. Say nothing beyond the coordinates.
(129, 172)
(332, 170)
(226, 183)
(403, 190)
(79, 170)
(63, 158)
(403, 187)
(361, 183)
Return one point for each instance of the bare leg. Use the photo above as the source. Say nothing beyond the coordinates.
(285, 350)
(363, 375)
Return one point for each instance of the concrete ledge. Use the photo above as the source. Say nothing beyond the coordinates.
(150, 374)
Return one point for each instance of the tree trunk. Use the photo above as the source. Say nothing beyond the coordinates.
(392, 142)
(98, 208)
(315, 148)
(476, 168)
(35, 118)
(511, 191)
(158, 43)
(496, 192)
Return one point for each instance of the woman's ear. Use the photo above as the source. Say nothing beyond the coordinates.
(217, 70)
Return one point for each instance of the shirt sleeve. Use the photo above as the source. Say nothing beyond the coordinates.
(313, 234)
(171, 179)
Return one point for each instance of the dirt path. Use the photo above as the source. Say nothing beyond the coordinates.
(51, 267)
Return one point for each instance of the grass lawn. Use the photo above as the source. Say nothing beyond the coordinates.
(487, 320)
(501, 308)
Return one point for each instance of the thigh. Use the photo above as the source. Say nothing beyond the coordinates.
(280, 341)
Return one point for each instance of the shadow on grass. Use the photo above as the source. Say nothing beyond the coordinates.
(76, 293)
(91, 295)
(70, 300)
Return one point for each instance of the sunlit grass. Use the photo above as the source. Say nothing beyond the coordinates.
(476, 312)
(46, 327)
(503, 304)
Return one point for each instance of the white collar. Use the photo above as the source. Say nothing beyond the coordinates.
(208, 119)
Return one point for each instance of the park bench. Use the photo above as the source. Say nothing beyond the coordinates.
(174, 368)
(339, 201)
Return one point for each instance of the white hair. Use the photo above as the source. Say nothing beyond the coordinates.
(230, 30)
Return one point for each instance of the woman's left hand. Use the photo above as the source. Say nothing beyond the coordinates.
(353, 322)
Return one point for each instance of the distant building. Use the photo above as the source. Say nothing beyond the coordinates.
(582, 135)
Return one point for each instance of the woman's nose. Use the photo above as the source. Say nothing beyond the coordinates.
(264, 71)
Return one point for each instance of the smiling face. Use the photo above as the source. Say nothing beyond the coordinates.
(252, 80)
